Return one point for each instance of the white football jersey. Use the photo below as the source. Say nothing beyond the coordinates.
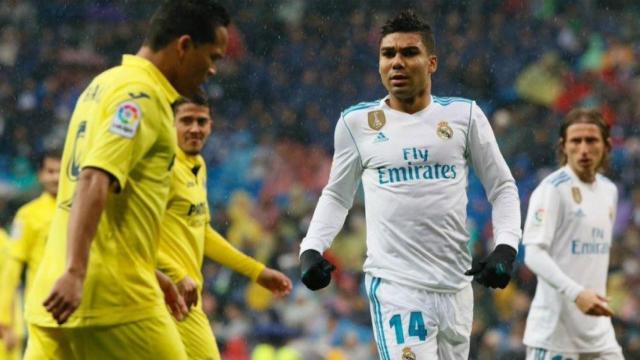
(573, 221)
(414, 170)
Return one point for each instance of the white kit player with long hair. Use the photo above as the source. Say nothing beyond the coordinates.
(567, 236)
(412, 152)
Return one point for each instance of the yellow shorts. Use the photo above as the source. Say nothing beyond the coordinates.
(197, 336)
(155, 338)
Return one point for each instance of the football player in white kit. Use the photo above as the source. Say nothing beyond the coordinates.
(567, 237)
(412, 152)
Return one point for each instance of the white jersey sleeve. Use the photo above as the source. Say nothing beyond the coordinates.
(494, 174)
(337, 197)
(541, 263)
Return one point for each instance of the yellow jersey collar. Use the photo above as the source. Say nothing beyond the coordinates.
(136, 61)
(189, 160)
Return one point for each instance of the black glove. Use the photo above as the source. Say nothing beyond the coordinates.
(315, 270)
(494, 270)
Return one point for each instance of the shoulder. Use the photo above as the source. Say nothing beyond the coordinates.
(557, 179)
(27, 210)
(120, 84)
(453, 101)
(360, 109)
(607, 183)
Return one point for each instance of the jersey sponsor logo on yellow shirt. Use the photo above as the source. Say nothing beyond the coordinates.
(74, 164)
(126, 119)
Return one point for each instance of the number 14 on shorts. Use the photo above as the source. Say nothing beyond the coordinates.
(415, 327)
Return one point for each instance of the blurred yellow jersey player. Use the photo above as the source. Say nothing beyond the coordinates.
(28, 236)
(186, 236)
(97, 294)
(12, 331)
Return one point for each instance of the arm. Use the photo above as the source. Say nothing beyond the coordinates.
(538, 260)
(9, 280)
(496, 178)
(219, 250)
(331, 211)
(89, 202)
(170, 268)
(495, 270)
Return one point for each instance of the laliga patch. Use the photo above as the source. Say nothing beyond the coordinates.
(126, 119)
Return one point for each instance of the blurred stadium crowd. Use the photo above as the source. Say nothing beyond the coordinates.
(292, 66)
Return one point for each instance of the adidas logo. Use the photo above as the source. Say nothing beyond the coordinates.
(380, 137)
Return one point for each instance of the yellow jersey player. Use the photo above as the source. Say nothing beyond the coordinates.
(28, 235)
(12, 331)
(97, 294)
(186, 236)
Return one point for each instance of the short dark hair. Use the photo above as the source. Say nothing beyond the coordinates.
(196, 18)
(53, 153)
(199, 99)
(585, 116)
(408, 22)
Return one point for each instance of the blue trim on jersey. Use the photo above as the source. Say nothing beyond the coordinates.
(558, 176)
(467, 153)
(354, 140)
(382, 344)
(360, 106)
(558, 183)
(561, 178)
(444, 101)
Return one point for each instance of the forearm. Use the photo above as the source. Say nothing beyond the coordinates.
(219, 250)
(539, 261)
(170, 268)
(327, 221)
(9, 281)
(506, 215)
(88, 204)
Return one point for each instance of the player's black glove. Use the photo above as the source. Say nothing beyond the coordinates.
(315, 270)
(495, 270)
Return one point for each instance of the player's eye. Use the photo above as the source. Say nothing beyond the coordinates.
(412, 51)
(388, 53)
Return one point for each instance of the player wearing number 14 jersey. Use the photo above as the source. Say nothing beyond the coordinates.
(412, 152)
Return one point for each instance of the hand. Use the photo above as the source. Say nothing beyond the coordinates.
(592, 303)
(172, 297)
(188, 288)
(494, 270)
(65, 296)
(275, 281)
(9, 337)
(316, 270)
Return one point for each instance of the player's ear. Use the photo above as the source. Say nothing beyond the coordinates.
(183, 44)
(433, 64)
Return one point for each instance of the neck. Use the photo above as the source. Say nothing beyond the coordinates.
(587, 177)
(411, 105)
(161, 60)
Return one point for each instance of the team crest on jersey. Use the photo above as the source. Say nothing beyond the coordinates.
(444, 131)
(407, 354)
(577, 195)
(377, 119)
(126, 119)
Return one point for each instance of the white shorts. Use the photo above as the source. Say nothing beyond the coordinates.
(542, 354)
(414, 324)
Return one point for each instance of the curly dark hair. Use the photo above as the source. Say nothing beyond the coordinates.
(408, 22)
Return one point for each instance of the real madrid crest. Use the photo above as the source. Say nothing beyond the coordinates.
(407, 354)
(444, 131)
(377, 119)
(577, 195)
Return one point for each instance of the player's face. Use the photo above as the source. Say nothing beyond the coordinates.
(405, 65)
(49, 175)
(584, 148)
(198, 62)
(193, 124)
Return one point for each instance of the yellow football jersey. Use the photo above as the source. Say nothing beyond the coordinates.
(185, 234)
(28, 236)
(122, 124)
(13, 313)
